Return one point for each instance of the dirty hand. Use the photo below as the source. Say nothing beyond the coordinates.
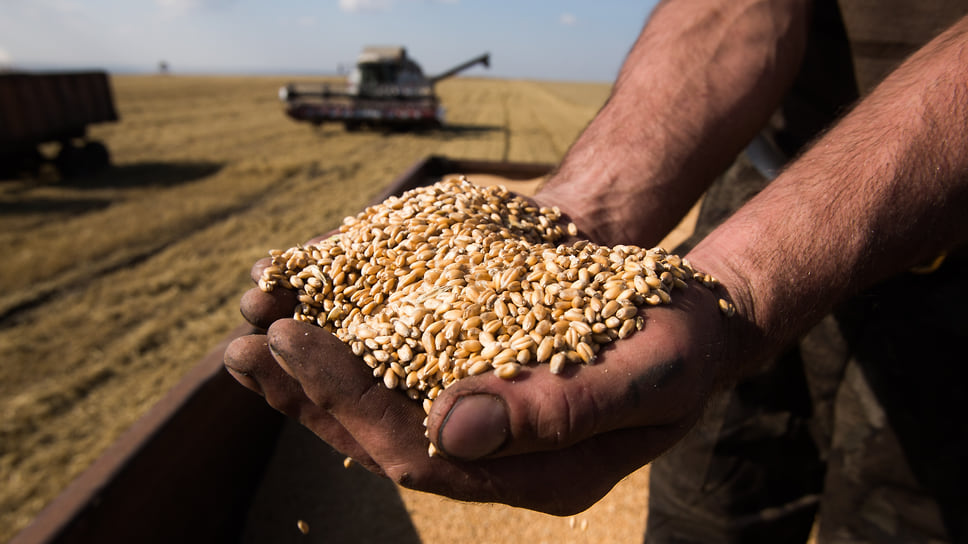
(551, 443)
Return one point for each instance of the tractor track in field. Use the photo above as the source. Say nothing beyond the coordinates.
(18, 303)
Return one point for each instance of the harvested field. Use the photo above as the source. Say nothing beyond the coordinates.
(115, 285)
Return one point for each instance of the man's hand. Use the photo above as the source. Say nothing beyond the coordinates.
(552, 443)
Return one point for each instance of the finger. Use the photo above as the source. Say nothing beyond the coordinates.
(256, 271)
(388, 425)
(250, 362)
(652, 378)
(570, 480)
(340, 382)
(261, 309)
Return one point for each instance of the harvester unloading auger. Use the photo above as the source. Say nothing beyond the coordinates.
(385, 89)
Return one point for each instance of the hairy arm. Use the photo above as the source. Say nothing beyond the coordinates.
(884, 190)
(702, 78)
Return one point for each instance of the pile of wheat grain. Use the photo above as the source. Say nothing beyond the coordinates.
(454, 280)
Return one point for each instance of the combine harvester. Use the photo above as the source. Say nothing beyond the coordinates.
(386, 89)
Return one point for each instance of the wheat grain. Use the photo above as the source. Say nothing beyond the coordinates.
(454, 280)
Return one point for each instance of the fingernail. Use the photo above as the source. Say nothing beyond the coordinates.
(246, 380)
(281, 360)
(477, 425)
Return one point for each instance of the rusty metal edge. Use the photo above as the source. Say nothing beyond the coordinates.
(428, 169)
(109, 501)
(136, 490)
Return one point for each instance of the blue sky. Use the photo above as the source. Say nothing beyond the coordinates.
(571, 40)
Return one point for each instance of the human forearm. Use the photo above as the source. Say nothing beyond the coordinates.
(696, 86)
(884, 190)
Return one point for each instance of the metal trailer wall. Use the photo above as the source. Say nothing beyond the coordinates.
(56, 106)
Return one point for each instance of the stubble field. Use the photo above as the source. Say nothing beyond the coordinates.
(115, 285)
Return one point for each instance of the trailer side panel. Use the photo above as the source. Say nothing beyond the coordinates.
(46, 107)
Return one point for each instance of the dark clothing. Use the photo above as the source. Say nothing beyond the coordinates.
(862, 421)
(852, 45)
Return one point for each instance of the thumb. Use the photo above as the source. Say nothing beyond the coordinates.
(640, 383)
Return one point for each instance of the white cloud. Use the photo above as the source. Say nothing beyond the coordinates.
(568, 19)
(365, 5)
(5, 59)
(379, 5)
(181, 7)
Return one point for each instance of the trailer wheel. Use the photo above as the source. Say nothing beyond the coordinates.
(96, 156)
(20, 162)
(69, 161)
(77, 161)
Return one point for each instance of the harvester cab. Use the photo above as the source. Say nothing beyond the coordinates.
(386, 88)
(387, 71)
